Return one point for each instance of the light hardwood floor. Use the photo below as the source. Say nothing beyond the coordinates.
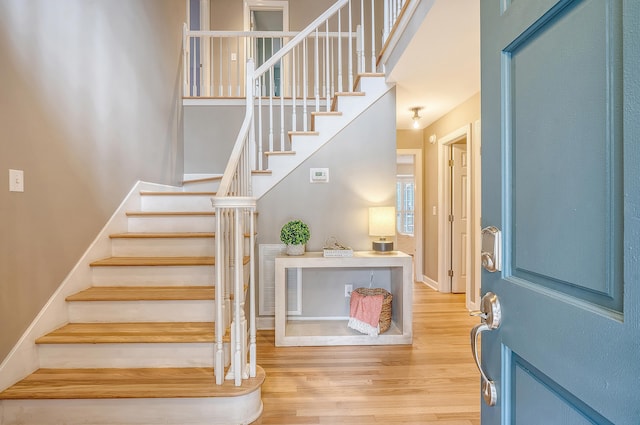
(434, 381)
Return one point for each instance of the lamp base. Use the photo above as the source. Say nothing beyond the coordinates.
(383, 247)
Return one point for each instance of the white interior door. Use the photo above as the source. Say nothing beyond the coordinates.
(460, 217)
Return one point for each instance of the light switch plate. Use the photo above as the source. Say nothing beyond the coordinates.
(16, 181)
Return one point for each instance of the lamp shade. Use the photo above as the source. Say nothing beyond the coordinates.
(382, 221)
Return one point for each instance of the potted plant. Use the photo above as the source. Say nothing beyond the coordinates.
(295, 235)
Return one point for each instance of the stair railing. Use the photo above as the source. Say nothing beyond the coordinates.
(316, 64)
(235, 211)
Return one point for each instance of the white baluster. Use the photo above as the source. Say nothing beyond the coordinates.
(340, 50)
(316, 77)
(350, 86)
(294, 123)
(373, 37)
(332, 57)
(282, 145)
(270, 109)
(304, 84)
(362, 62)
(194, 69)
(252, 297)
(327, 76)
(385, 25)
(228, 59)
(220, 82)
(359, 52)
(238, 81)
(260, 146)
(219, 325)
(185, 61)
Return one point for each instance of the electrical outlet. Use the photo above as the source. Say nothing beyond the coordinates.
(347, 290)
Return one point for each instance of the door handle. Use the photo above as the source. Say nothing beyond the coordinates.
(490, 316)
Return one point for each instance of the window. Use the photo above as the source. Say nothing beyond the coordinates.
(405, 195)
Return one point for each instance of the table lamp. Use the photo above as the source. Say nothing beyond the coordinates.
(382, 223)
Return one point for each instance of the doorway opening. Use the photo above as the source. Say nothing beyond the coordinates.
(409, 205)
(459, 221)
(268, 16)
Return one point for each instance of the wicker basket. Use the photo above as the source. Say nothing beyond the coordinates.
(385, 314)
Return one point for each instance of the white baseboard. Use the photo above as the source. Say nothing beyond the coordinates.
(265, 323)
(23, 358)
(430, 283)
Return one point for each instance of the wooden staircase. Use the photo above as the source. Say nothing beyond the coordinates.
(138, 346)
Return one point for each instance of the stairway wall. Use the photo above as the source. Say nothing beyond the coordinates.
(90, 104)
(362, 173)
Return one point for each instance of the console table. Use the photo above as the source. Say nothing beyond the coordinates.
(335, 332)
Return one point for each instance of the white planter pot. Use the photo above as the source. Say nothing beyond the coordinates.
(295, 249)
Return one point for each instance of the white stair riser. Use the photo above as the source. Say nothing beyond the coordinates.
(176, 203)
(127, 355)
(142, 311)
(172, 224)
(153, 276)
(205, 186)
(348, 104)
(242, 409)
(162, 247)
(370, 84)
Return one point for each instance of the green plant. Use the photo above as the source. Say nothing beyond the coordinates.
(295, 232)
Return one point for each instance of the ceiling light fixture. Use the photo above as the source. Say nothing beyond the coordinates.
(416, 117)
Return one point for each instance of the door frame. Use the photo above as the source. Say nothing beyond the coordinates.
(249, 5)
(473, 208)
(417, 208)
(278, 5)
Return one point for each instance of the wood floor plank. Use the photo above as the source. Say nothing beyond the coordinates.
(434, 381)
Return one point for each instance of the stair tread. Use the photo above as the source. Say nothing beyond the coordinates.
(155, 261)
(127, 383)
(158, 261)
(161, 235)
(144, 293)
(328, 113)
(151, 193)
(169, 213)
(303, 133)
(280, 153)
(143, 332)
(202, 180)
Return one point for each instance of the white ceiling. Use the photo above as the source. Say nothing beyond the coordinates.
(440, 67)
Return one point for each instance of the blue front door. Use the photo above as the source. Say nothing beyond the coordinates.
(561, 180)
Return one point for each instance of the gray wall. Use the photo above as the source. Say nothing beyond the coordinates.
(209, 135)
(362, 172)
(89, 105)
